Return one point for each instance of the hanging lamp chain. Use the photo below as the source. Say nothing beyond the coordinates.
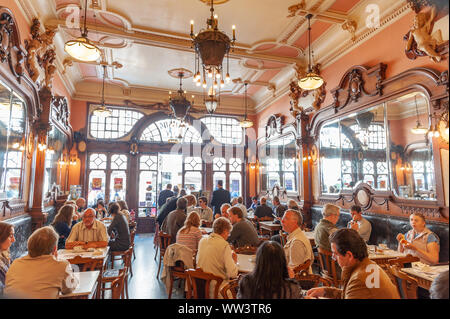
(103, 85)
(309, 42)
(417, 110)
(245, 115)
(84, 31)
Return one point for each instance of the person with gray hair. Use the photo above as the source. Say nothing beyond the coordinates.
(90, 233)
(439, 286)
(326, 226)
(263, 210)
(223, 211)
(40, 274)
(298, 247)
(215, 255)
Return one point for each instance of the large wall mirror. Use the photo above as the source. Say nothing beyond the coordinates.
(411, 152)
(382, 146)
(278, 164)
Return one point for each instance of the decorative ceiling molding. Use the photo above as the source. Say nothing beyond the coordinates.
(269, 86)
(68, 62)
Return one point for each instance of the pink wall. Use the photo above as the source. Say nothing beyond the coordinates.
(78, 115)
(24, 28)
(386, 47)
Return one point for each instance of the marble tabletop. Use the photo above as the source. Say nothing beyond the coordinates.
(245, 263)
(426, 272)
(86, 286)
(65, 254)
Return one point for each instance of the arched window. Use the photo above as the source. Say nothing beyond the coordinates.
(115, 126)
(225, 130)
(170, 129)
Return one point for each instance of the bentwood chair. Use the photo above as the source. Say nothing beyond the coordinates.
(164, 240)
(132, 235)
(176, 272)
(122, 255)
(308, 281)
(402, 261)
(406, 285)
(303, 267)
(117, 278)
(230, 289)
(328, 267)
(111, 274)
(156, 240)
(117, 288)
(199, 283)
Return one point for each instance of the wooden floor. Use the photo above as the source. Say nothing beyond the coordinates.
(144, 284)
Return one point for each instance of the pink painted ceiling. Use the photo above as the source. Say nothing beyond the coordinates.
(87, 70)
(343, 5)
(317, 29)
(265, 77)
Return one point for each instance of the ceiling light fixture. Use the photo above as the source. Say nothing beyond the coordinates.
(246, 123)
(102, 110)
(418, 129)
(312, 80)
(179, 104)
(211, 46)
(82, 48)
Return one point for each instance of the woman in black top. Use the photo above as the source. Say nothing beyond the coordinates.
(118, 230)
(63, 223)
(269, 279)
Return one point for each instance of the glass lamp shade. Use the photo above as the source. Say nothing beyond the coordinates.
(311, 81)
(211, 105)
(102, 111)
(82, 49)
(419, 129)
(246, 123)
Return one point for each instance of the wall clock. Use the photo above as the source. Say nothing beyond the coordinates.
(81, 146)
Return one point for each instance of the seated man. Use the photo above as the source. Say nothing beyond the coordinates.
(205, 212)
(359, 223)
(278, 208)
(362, 278)
(215, 255)
(263, 210)
(241, 205)
(297, 248)
(326, 226)
(90, 233)
(175, 220)
(39, 274)
(255, 203)
(243, 232)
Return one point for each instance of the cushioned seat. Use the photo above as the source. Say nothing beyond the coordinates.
(385, 229)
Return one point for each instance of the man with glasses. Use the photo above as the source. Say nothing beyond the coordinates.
(90, 233)
(206, 214)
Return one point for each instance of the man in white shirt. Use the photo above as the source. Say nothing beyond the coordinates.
(215, 255)
(90, 233)
(206, 213)
(298, 247)
(359, 223)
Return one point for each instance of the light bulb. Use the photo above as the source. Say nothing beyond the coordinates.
(436, 133)
(227, 78)
(204, 84)
(215, 85)
(197, 83)
(16, 145)
(222, 84)
(210, 74)
(217, 75)
(430, 134)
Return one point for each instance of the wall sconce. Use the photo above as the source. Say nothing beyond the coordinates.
(62, 161)
(252, 165)
(73, 160)
(434, 130)
(19, 146)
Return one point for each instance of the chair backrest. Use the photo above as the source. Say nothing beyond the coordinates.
(231, 288)
(308, 281)
(328, 265)
(199, 283)
(406, 285)
(401, 261)
(117, 284)
(164, 241)
(305, 266)
(265, 219)
(246, 250)
(132, 235)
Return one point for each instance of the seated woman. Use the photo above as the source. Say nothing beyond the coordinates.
(190, 235)
(100, 210)
(124, 209)
(6, 240)
(118, 230)
(420, 241)
(270, 278)
(63, 223)
(224, 211)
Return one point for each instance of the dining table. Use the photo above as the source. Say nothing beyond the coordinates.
(84, 256)
(270, 226)
(87, 285)
(424, 274)
(208, 230)
(382, 256)
(245, 263)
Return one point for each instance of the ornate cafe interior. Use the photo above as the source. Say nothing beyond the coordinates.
(182, 150)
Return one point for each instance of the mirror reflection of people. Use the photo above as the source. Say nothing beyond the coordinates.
(420, 241)
(359, 223)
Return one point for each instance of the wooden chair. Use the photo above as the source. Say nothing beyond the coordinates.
(283, 237)
(132, 235)
(231, 288)
(308, 281)
(406, 285)
(199, 283)
(156, 240)
(122, 255)
(117, 279)
(110, 274)
(328, 266)
(246, 250)
(401, 261)
(164, 242)
(303, 267)
(263, 219)
(176, 272)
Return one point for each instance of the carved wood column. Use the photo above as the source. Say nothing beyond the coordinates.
(133, 183)
(304, 142)
(41, 129)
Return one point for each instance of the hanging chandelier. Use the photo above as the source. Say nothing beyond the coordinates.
(312, 80)
(246, 123)
(418, 129)
(179, 104)
(102, 110)
(82, 48)
(211, 46)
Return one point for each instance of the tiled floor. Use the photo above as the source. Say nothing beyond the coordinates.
(144, 284)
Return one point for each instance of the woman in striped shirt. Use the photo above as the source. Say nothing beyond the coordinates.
(190, 234)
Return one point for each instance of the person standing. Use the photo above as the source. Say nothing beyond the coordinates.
(164, 195)
(220, 196)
